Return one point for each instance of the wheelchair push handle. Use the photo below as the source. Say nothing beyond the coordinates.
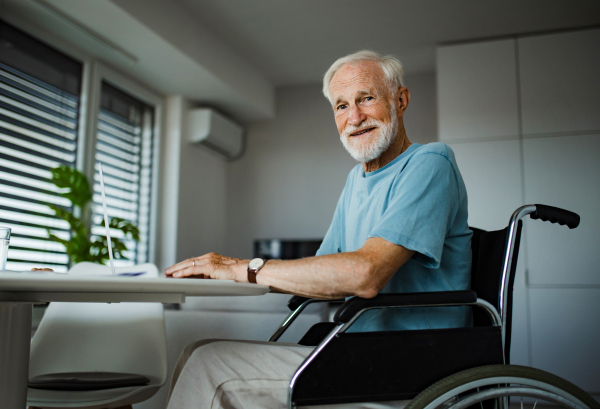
(555, 215)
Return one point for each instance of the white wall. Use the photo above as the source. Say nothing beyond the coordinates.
(193, 187)
(202, 199)
(289, 180)
(421, 117)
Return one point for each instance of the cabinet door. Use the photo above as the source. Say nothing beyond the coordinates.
(565, 332)
(560, 90)
(564, 172)
(477, 91)
(492, 174)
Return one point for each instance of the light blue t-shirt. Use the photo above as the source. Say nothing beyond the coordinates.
(418, 201)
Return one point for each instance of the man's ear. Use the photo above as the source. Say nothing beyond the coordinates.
(403, 97)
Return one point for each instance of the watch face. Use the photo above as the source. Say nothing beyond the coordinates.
(256, 263)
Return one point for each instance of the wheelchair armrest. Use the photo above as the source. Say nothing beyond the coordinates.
(296, 301)
(296, 305)
(354, 305)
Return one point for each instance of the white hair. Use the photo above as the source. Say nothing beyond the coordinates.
(391, 66)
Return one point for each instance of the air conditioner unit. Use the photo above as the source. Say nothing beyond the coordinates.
(216, 132)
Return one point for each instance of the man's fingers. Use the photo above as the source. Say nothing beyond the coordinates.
(200, 267)
(190, 262)
(191, 272)
(204, 268)
(179, 266)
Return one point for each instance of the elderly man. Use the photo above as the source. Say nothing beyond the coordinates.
(400, 226)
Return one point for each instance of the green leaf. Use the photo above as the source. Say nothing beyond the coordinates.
(75, 223)
(99, 249)
(79, 192)
(118, 249)
(78, 248)
(57, 239)
(126, 227)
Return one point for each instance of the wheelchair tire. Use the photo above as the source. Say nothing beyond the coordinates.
(498, 381)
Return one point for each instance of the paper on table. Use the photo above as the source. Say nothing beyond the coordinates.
(146, 270)
(31, 272)
(123, 274)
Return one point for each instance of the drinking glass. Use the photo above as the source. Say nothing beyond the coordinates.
(4, 239)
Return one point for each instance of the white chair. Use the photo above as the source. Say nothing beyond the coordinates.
(125, 338)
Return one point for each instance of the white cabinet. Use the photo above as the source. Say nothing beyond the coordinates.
(560, 89)
(477, 91)
(551, 91)
(492, 174)
(564, 334)
(564, 172)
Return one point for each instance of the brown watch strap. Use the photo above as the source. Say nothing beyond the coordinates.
(252, 275)
(252, 272)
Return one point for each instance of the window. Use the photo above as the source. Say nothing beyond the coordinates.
(124, 146)
(41, 127)
(39, 106)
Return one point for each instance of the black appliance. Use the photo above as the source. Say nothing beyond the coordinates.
(285, 249)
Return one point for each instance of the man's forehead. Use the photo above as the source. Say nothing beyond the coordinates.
(341, 96)
(357, 78)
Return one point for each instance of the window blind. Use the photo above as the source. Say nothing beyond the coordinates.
(124, 145)
(39, 105)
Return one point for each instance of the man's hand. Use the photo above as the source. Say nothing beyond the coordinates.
(211, 265)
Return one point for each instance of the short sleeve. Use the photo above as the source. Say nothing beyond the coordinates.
(423, 202)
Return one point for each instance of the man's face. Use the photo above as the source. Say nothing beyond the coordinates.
(365, 112)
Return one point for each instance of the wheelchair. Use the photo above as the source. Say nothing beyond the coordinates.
(434, 368)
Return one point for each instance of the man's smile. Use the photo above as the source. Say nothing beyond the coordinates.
(363, 131)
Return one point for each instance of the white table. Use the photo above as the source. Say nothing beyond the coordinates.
(19, 291)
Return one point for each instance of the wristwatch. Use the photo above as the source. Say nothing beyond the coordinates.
(253, 267)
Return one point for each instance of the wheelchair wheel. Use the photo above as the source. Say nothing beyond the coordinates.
(475, 385)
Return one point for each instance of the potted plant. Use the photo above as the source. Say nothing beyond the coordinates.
(80, 247)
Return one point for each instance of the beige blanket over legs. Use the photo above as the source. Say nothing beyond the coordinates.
(225, 374)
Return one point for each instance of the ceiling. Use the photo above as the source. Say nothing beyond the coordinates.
(294, 42)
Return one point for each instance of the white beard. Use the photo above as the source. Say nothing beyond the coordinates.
(366, 151)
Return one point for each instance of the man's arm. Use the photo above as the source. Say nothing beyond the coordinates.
(363, 272)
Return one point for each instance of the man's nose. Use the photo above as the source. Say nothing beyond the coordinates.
(356, 116)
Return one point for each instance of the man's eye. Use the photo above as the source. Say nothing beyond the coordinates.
(368, 98)
(341, 107)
